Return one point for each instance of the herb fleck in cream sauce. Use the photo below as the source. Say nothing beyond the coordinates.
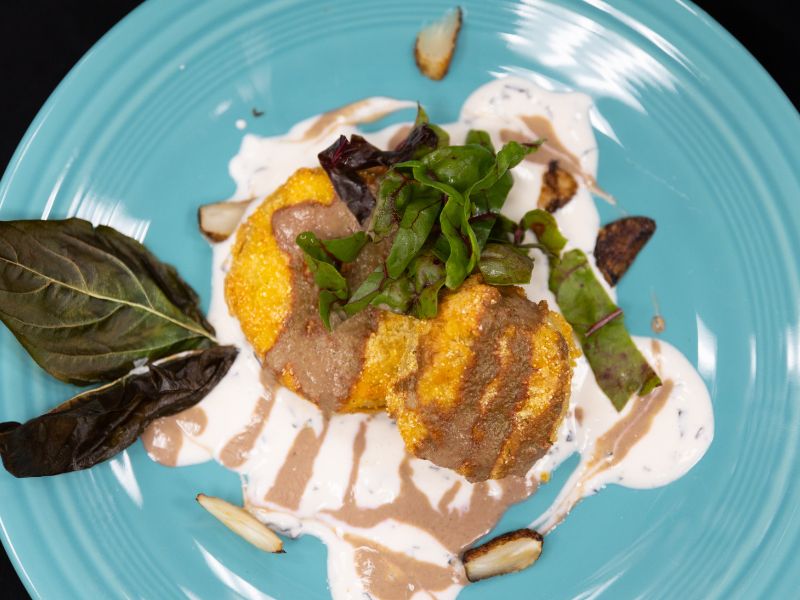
(395, 525)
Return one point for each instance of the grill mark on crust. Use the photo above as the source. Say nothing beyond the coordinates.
(542, 427)
(450, 425)
(511, 393)
(485, 376)
(499, 414)
(471, 435)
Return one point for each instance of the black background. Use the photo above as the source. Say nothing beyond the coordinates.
(40, 40)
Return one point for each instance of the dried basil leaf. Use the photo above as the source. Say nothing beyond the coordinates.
(619, 243)
(503, 264)
(88, 302)
(617, 364)
(96, 425)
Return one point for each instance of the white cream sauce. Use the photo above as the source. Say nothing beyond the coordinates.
(678, 436)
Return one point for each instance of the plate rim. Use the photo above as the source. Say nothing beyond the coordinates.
(783, 118)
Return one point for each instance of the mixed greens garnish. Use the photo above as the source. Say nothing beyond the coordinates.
(440, 206)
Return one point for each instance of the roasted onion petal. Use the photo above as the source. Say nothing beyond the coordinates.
(436, 44)
(507, 553)
(219, 220)
(242, 523)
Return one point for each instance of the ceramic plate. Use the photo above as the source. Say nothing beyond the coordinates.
(692, 132)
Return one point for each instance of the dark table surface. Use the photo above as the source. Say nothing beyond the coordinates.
(40, 40)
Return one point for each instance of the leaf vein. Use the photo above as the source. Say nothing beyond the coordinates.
(134, 305)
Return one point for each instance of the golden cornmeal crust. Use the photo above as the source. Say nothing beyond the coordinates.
(481, 388)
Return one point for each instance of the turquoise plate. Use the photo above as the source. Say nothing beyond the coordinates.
(693, 133)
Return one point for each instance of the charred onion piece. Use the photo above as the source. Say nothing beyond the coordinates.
(558, 188)
(436, 44)
(242, 523)
(219, 220)
(618, 243)
(507, 553)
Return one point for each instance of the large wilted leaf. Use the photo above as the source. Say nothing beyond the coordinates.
(96, 425)
(88, 302)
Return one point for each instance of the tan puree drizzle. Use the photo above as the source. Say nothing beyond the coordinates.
(350, 114)
(611, 448)
(235, 452)
(390, 574)
(454, 529)
(553, 149)
(164, 438)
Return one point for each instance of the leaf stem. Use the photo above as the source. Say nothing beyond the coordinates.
(603, 322)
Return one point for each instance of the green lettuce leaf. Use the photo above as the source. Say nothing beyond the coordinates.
(543, 224)
(323, 259)
(618, 366)
(503, 264)
(417, 222)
